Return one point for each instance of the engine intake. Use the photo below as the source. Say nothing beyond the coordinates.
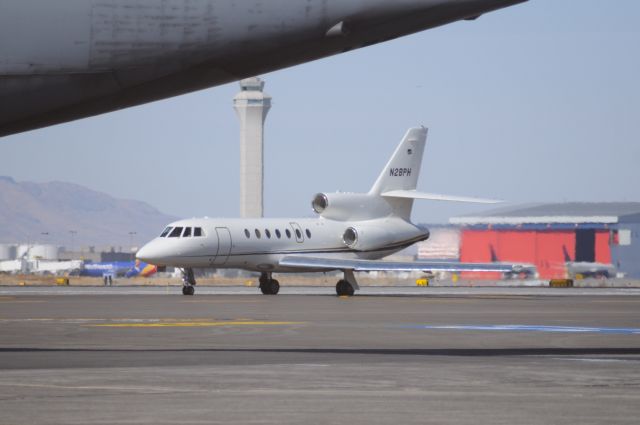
(367, 237)
(320, 203)
(350, 237)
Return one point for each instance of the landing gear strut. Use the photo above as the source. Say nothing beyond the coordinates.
(347, 287)
(268, 285)
(188, 282)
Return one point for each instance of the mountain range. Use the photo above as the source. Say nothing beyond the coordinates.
(65, 213)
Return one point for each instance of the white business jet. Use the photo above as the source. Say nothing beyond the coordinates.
(352, 233)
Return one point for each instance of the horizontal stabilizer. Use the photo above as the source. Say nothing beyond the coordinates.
(321, 263)
(412, 194)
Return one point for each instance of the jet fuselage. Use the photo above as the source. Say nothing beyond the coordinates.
(260, 244)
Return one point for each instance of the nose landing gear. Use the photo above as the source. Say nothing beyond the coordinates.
(268, 285)
(188, 282)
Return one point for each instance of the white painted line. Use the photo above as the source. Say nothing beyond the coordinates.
(525, 328)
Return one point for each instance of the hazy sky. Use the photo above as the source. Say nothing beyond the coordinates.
(538, 102)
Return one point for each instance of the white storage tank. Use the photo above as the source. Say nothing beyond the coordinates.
(44, 252)
(39, 252)
(7, 252)
(22, 251)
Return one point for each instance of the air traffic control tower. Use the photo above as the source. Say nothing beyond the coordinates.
(252, 105)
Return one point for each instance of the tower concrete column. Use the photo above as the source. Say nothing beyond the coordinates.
(252, 105)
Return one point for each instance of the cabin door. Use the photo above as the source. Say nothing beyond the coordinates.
(224, 246)
(297, 231)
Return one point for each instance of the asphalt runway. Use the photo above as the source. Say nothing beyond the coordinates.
(389, 355)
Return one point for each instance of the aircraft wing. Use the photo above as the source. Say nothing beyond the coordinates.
(324, 263)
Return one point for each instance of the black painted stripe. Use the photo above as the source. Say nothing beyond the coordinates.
(400, 245)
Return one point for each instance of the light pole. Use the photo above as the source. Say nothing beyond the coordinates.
(73, 233)
(131, 234)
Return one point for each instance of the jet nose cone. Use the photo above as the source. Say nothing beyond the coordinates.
(148, 254)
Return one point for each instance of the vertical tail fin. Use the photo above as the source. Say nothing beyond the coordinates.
(402, 171)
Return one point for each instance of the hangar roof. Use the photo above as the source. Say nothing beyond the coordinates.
(560, 213)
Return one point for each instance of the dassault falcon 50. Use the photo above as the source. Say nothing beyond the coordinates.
(353, 232)
(67, 59)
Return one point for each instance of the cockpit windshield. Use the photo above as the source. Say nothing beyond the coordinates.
(176, 232)
(184, 232)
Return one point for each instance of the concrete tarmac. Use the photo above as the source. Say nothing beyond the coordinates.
(390, 355)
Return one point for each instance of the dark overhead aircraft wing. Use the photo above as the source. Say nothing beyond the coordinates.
(327, 263)
(114, 54)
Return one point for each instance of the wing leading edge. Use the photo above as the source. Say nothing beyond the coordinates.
(322, 263)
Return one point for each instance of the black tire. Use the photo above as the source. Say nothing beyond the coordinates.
(274, 287)
(188, 290)
(344, 289)
(271, 287)
(350, 291)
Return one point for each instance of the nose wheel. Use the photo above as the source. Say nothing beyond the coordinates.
(188, 282)
(268, 285)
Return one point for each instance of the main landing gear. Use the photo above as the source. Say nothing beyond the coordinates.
(268, 285)
(347, 287)
(188, 282)
(344, 289)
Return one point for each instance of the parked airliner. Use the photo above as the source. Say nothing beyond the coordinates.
(353, 232)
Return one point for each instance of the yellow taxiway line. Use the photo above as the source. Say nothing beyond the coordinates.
(14, 300)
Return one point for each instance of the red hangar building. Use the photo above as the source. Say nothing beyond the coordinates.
(560, 240)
